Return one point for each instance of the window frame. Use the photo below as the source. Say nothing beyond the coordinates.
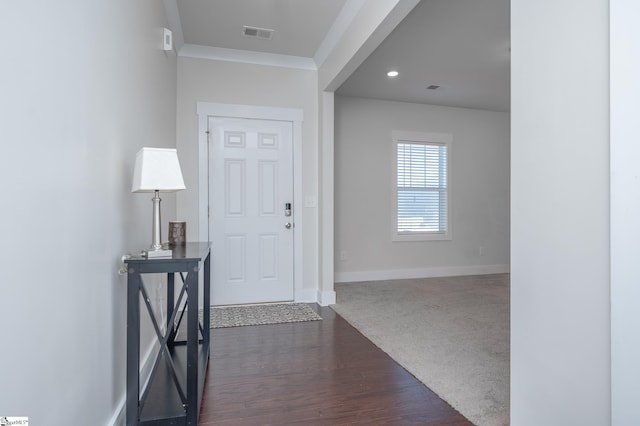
(427, 138)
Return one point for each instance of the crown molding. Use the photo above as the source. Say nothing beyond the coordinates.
(245, 56)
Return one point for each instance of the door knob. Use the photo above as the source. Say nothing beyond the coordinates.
(287, 225)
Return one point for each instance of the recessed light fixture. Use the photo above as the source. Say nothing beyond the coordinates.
(392, 73)
(433, 87)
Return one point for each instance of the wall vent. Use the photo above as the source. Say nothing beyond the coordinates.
(254, 32)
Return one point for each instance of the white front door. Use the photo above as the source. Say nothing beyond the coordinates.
(251, 186)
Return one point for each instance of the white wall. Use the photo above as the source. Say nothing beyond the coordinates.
(370, 26)
(364, 185)
(625, 211)
(560, 327)
(83, 86)
(248, 84)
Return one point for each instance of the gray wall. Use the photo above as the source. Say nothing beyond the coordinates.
(202, 80)
(560, 362)
(364, 191)
(84, 86)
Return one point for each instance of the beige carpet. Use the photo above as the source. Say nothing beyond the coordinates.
(451, 333)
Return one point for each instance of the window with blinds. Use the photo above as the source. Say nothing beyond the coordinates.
(422, 190)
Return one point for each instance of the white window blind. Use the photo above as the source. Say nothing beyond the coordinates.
(422, 188)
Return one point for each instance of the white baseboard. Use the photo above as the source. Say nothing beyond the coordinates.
(119, 416)
(326, 298)
(399, 274)
(322, 298)
(306, 295)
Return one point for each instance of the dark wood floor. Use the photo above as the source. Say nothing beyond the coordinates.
(312, 373)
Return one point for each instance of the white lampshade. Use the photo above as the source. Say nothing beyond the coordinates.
(157, 169)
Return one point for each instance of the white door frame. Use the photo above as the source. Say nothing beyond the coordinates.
(295, 116)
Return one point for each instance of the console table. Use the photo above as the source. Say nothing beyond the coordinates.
(173, 392)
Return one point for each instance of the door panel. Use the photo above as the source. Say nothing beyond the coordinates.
(251, 181)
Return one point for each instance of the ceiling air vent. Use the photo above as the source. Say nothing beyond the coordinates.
(254, 32)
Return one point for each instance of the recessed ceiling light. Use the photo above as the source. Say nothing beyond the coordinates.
(392, 73)
(433, 87)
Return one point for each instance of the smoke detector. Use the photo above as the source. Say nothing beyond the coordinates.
(255, 32)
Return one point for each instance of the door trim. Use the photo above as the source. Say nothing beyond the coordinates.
(293, 115)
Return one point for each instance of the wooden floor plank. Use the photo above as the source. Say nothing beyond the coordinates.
(312, 373)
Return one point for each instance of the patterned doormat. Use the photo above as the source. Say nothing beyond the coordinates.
(238, 316)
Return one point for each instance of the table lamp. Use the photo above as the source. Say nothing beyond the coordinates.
(157, 169)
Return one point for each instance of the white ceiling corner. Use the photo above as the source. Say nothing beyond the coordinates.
(337, 30)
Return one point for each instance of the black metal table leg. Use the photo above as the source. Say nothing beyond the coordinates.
(133, 345)
(206, 315)
(192, 346)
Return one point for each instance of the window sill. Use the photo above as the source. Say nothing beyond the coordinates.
(421, 237)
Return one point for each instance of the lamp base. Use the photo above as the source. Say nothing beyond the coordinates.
(150, 254)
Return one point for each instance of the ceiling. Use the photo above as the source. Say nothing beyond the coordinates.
(462, 46)
(300, 25)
